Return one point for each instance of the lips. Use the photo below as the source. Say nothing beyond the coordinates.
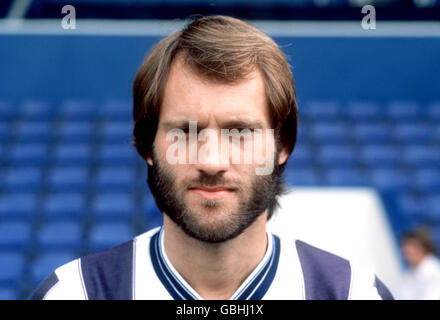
(212, 193)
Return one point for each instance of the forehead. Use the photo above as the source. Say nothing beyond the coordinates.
(190, 96)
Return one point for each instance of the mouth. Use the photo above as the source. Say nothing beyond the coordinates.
(212, 193)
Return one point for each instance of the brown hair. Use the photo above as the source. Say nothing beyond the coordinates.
(222, 49)
(422, 237)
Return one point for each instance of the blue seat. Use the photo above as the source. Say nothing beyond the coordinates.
(419, 156)
(433, 207)
(412, 207)
(46, 263)
(301, 157)
(15, 235)
(390, 179)
(28, 154)
(73, 154)
(412, 133)
(345, 177)
(11, 268)
(321, 110)
(152, 215)
(375, 156)
(8, 293)
(329, 132)
(359, 111)
(17, 206)
(109, 234)
(427, 180)
(375, 132)
(116, 132)
(32, 131)
(433, 110)
(76, 132)
(4, 132)
(65, 206)
(8, 111)
(113, 206)
(116, 154)
(60, 236)
(403, 110)
(302, 177)
(336, 156)
(77, 110)
(115, 178)
(25, 179)
(436, 135)
(68, 179)
(116, 109)
(36, 110)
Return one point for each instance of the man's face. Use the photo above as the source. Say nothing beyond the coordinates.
(211, 197)
(413, 252)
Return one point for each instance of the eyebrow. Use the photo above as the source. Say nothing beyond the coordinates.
(249, 124)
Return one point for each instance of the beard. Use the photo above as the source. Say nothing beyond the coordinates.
(215, 221)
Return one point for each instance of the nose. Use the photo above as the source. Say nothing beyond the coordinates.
(211, 158)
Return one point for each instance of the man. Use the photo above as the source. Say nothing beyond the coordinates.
(215, 118)
(422, 280)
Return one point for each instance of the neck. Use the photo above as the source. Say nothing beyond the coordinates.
(215, 270)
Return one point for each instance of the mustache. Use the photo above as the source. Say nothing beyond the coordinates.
(217, 180)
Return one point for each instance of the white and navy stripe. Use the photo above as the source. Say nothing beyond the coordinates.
(253, 288)
(140, 269)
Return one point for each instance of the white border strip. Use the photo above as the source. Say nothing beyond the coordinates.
(272, 28)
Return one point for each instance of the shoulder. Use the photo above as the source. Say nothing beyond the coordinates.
(103, 275)
(329, 276)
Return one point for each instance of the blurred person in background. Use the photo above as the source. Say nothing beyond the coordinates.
(422, 280)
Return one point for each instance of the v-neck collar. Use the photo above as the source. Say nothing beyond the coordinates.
(253, 288)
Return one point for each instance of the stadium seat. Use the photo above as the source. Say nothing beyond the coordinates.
(23, 179)
(113, 206)
(114, 109)
(375, 132)
(60, 236)
(329, 132)
(433, 207)
(427, 180)
(33, 132)
(301, 156)
(412, 207)
(4, 132)
(321, 110)
(375, 156)
(28, 154)
(8, 293)
(77, 110)
(73, 154)
(11, 268)
(8, 111)
(68, 179)
(36, 110)
(106, 235)
(116, 132)
(115, 179)
(418, 156)
(302, 177)
(344, 177)
(116, 154)
(414, 133)
(76, 132)
(65, 206)
(15, 235)
(336, 156)
(359, 111)
(17, 206)
(403, 110)
(46, 263)
(152, 213)
(389, 179)
(433, 111)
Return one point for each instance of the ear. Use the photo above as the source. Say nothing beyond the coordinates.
(283, 156)
(149, 160)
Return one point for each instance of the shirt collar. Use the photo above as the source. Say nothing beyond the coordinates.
(253, 288)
